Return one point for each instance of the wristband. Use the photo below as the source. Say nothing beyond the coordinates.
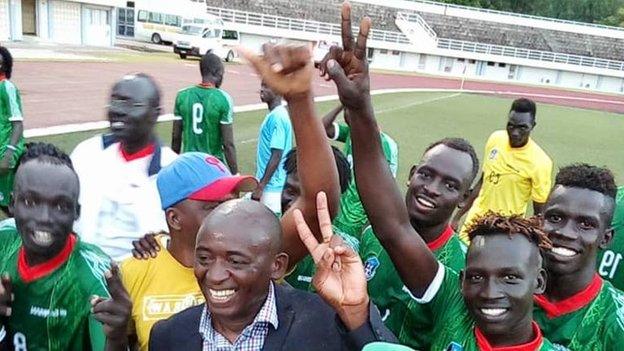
(11, 147)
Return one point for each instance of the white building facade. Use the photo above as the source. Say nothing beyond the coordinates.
(84, 22)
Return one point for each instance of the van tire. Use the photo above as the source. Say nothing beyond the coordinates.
(230, 56)
(156, 39)
(183, 56)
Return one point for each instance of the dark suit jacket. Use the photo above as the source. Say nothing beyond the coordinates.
(306, 323)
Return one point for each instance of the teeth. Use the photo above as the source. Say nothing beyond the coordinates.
(222, 295)
(425, 203)
(42, 238)
(562, 251)
(117, 124)
(494, 312)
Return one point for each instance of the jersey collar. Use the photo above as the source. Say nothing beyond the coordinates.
(31, 273)
(441, 240)
(144, 152)
(206, 85)
(532, 345)
(2, 77)
(572, 303)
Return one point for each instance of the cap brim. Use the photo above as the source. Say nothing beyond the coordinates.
(221, 188)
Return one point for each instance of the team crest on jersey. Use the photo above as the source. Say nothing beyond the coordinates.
(493, 154)
(454, 347)
(370, 267)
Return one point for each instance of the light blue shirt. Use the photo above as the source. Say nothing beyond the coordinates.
(275, 133)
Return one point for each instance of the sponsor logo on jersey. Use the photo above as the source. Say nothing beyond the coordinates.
(493, 154)
(46, 312)
(370, 267)
(454, 347)
(162, 306)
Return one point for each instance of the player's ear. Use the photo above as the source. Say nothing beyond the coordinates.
(280, 264)
(540, 282)
(173, 218)
(607, 237)
(77, 212)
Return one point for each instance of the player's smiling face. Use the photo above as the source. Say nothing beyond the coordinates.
(578, 224)
(45, 205)
(438, 184)
(131, 112)
(234, 264)
(519, 127)
(502, 274)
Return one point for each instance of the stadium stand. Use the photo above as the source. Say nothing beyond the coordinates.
(317, 10)
(524, 37)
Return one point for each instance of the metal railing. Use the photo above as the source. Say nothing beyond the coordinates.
(520, 15)
(271, 21)
(416, 18)
(538, 55)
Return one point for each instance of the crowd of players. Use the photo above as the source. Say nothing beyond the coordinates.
(127, 245)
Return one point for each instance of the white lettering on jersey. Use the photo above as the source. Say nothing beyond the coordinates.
(162, 306)
(46, 312)
(19, 342)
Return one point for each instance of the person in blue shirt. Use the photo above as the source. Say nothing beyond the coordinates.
(274, 142)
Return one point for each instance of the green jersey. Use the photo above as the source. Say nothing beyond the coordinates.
(610, 261)
(52, 312)
(10, 111)
(202, 111)
(352, 218)
(390, 295)
(591, 320)
(301, 277)
(453, 327)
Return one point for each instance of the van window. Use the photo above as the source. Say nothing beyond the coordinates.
(230, 35)
(155, 17)
(142, 16)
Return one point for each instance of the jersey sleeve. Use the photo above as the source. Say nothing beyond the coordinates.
(96, 334)
(280, 133)
(618, 215)
(14, 102)
(541, 181)
(9, 242)
(391, 151)
(227, 115)
(342, 132)
(442, 299)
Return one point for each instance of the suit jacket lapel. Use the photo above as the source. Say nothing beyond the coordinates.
(285, 315)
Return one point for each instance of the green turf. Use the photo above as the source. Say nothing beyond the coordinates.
(416, 119)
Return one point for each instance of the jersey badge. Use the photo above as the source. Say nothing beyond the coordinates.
(370, 267)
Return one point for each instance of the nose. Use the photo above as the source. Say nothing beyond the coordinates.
(566, 231)
(490, 290)
(217, 274)
(432, 189)
(44, 214)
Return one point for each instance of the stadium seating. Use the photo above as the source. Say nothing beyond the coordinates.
(315, 10)
(524, 37)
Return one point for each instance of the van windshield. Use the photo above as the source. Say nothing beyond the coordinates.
(192, 30)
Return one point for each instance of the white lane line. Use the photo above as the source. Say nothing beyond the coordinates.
(417, 103)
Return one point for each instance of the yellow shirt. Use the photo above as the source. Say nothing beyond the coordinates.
(159, 287)
(511, 178)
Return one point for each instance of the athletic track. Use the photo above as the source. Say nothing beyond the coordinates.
(59, 93)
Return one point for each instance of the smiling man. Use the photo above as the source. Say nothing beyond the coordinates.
(580, 310)
(53, 286)
(117, 171)
(515, 170)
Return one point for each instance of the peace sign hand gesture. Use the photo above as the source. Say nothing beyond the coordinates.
(347, 66)
(114, 312)
(339, 277)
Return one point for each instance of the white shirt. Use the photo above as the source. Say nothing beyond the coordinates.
(119, 199)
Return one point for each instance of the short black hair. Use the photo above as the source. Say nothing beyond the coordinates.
(7, 62)
(524, 105)
(47, 153)
(462, 145)
(211, 69)
(585, 176)
(344, 168)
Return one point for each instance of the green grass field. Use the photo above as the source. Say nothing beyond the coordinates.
(415, 120)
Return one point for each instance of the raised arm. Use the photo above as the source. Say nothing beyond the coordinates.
(288, 71)
(328, 121)
(274, 161)
(176, 136)
(382, 200)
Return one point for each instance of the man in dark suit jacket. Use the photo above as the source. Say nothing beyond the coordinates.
(236, 267)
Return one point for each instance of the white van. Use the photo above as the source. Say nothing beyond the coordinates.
(197, 41)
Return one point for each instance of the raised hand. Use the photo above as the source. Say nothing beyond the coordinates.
(114, 312)
(339, 277)
(147, 246)
(286, 69)
(347, 66)
(6, 295)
